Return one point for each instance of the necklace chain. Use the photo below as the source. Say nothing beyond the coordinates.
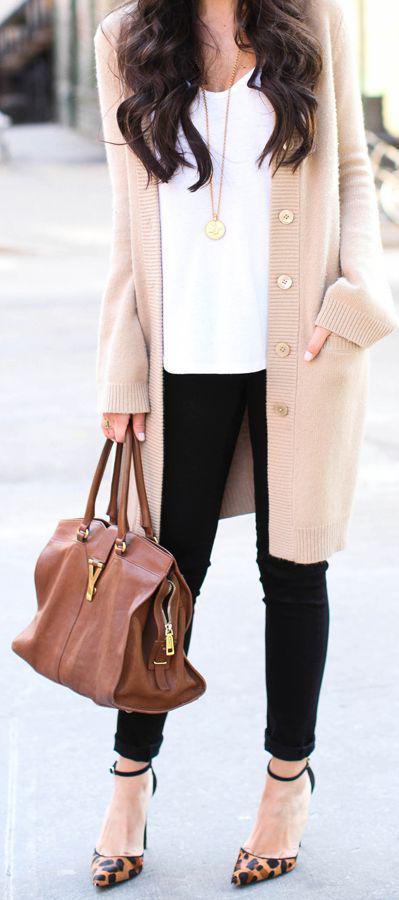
(212, 230)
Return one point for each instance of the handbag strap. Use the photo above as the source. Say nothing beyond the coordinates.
(83, 530)
(122, 467)
(140, 484)
(112, 510)
(132, 445)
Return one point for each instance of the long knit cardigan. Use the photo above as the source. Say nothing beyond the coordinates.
(324, 235)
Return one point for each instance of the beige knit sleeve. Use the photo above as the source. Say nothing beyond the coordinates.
(122, 359)
(359, 305)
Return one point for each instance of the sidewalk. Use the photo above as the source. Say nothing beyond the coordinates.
(56, 747)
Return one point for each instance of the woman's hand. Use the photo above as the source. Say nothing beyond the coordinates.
(114, 425)
(316, 342)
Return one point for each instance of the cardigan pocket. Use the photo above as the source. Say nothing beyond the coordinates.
(334, 343)
(330, 414)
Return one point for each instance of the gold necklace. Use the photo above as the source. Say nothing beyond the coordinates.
(215, 228)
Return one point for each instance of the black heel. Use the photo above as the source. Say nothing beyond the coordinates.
(115, 869)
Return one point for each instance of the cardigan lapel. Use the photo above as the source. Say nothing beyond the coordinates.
(283, 328)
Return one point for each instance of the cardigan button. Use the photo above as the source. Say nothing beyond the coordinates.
(282, 349)
(286, 216)
(284, 282)
(281, 409)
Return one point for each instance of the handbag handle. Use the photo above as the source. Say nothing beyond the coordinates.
(132, 445)
(122, 466)
(112, 510)
(145, 514)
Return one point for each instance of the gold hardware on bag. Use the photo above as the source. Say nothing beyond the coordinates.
(95, 569)
(170, 644)
(82, 534)
(169, 636)
(120, 546)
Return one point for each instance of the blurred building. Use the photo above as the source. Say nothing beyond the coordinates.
(75, 22)
(47, 65)
(46, 60)
(26, 60)
(377, 28)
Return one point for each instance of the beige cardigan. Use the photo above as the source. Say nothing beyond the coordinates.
(330, 247)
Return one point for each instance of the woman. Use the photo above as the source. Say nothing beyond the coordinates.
(245, 241)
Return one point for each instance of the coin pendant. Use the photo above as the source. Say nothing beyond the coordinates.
(215, 229)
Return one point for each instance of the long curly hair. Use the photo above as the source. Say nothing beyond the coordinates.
(161, 66)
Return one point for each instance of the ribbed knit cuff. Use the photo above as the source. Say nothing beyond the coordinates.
(353, 324)
(123, 398)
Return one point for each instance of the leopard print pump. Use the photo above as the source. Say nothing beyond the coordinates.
(250, 868)
(107, 870)
(110, 870)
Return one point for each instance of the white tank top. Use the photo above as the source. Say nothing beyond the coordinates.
(215, 292)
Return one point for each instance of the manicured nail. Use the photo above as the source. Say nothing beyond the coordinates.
(141, 436)
(308, 356)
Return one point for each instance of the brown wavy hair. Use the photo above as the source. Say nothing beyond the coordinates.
(161, 67)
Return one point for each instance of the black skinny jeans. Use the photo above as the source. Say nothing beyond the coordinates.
(203, 414)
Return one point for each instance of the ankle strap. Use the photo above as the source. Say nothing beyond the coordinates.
(114, 771)
(289, 778)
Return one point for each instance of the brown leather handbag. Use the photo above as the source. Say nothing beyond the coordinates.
(113, 607)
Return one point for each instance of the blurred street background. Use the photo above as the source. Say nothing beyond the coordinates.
(55, 747)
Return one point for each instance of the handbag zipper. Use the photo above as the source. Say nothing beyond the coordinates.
(169, 636)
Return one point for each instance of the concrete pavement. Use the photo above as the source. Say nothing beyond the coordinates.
(56, 747)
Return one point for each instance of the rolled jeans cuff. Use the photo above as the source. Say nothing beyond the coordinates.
(138, 754)
(288, 753)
